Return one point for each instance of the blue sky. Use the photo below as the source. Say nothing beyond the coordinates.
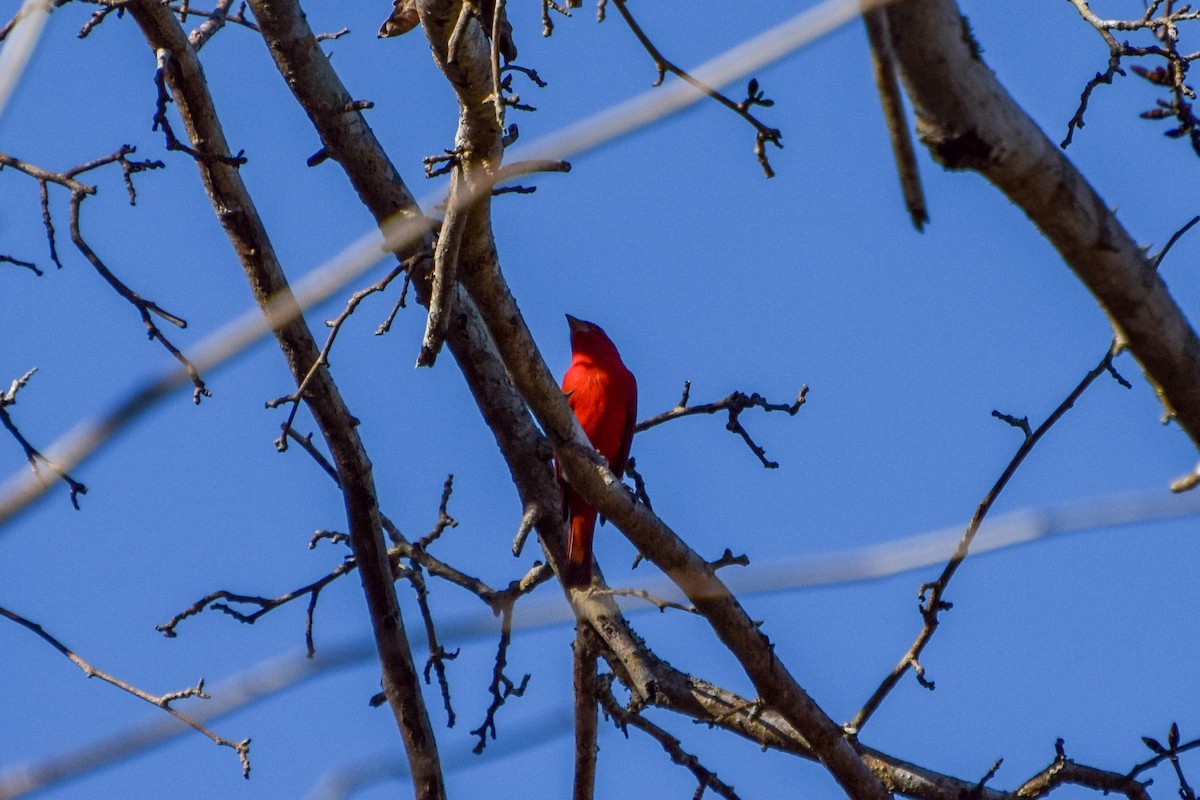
(700, 269)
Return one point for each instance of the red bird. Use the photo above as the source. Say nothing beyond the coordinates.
(603, 394)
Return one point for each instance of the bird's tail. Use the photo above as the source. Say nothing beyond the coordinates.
(578, 571)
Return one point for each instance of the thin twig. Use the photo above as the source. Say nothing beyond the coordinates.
(335, 327)
(29, 265)
(931, 594)
(660, 603)
(164, 702)
(763, 134)
(147, 309)
(501, 687)
(32, 454)
(734, 404)
(623, 718)
(1172, 75)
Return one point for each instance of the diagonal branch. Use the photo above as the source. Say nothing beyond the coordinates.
(584, 469)
(969, 121)
(624, 718)
(147, 309)
(883, 65)
(764, 134)
(235, 210)
(242, 748)
(932, 594)
(32, 454)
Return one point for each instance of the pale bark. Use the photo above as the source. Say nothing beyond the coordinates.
(968, 120)
(236, 212)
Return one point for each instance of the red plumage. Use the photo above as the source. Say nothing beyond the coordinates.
(603, 394)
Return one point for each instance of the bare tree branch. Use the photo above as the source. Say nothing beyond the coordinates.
(969, 121)
(884, 67)
(32, 455)
(586, 693)
(236, 212)
(29, 265)
(734, 404)
(932, 594)
(624, 718)
(583, 468)
(763, 136)
(164, 702)
(147, 309)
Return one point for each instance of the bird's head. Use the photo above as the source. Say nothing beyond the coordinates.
(589, 339)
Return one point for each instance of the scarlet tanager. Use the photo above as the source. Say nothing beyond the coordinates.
(603, 394)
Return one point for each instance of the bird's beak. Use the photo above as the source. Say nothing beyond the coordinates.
(577, 325)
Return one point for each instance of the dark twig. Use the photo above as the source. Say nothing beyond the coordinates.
(883, 62)
(1175, 237)
(728, 559)
(623, 718)
(444, 520)
(527, 72)
(29, 265)
(639, 484)
(162, 123)
(1172, 75)
(97, 17)
(547, 22)
(265, 605)
(147, 309)
(442, 164)
(414, 266)
(991, 773)
(335, 327)
(501, 687)
(164, 702)
(32, 454)
(586, 649)
(402, 548)
(517, 169)
(931, 595)
(1170, 753)
(734, 404)
(763, 134)
(307, 445)
(438, 655)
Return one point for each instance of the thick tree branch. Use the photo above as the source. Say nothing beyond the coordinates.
(651, 680)
(480, 271)
(238, 216)
(969, 121)
(586, 688)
